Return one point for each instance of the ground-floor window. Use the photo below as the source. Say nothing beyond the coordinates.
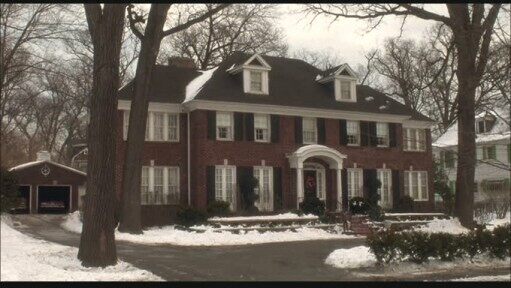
(416, 185)
(159, 185)
(265, 189)
(225, 184)
(354, 183)
(385, 190)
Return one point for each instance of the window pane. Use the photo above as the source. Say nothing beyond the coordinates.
(229, 185)
(256, 81)
(172, 129)
(382, 133)
(144, 185)
(309, 130)
(173, 186)
(158, 126)
(223, 119)
(407, 183)
(345, 90)
(415, 185)
(424, 185)
(352, 129)
(422, 139)
(158, 185)
(261, 121)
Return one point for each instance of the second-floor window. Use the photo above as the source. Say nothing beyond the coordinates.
(309, 130)
(414, 139)
(448, 157)
(489, 152)
(382, 134)
(353, 132)
(224, 126)
(262, 128)
(256, 81)
(160, 126)
(483, 125)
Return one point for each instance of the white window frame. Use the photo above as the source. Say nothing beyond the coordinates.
(223, 184)
(267, 136)
(315, 127)
(381, 135)
(150, 198)
(259, 175)
(162, 127)
(247, 80)
(412, 139)
(231, 127)
(149, 133)
(338, 88)
(252, 81)
(351, 178)
(385, 187)
(357, 135)
(485, 128)
(485, 152)
(422, 181)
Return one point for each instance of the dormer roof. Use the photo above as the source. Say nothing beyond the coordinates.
(340, 70)
(255, 61)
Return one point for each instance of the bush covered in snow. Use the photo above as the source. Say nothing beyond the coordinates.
(359, 205)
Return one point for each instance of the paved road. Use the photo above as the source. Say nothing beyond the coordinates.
(292, 261)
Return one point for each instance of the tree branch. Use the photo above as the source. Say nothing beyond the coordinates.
(194, 21)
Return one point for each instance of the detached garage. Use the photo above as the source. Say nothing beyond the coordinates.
(48, 187)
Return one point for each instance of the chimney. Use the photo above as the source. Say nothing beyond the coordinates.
(43, 156)
(182, 62)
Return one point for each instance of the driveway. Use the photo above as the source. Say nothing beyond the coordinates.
(291, 261)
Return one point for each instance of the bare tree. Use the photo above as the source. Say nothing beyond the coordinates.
(97, 243)
(150, 39)
(472, 28)
(324, 59)
(240, 27)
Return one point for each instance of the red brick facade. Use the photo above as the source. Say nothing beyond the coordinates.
(206, 152)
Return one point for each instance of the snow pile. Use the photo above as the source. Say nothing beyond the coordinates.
(355, 257)
(283, 216)
(506, 277)
(211, 236)
(28, 259)
(451, 226)
(194, 87)
(369, 98)
(499, 222)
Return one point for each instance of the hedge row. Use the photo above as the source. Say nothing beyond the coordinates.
(389, 246)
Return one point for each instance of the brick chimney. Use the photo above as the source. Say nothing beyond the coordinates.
(182, 62)
(43, 156)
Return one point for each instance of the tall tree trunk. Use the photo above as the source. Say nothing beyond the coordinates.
(131, 210)
(97, 243)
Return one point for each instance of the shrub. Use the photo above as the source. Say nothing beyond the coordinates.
(248, 196)
(313, 205)
(500, 242)
(384, 245)
(446, 247)
(189, 216)
(416, 246)
(8, 190)
(376, 213)
(219, 208)
(405, 204)
(358, 205)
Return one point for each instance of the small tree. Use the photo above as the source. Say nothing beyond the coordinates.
(9, 190)
(248, 196)
(442, 187)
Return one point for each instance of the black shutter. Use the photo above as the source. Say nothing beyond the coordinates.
(392, 135)
(277, 188)
(373, 140)
(344, 184)
(243, 173)
(275, 128)
(238, 126)
(343, 132)
(210, 183)
(249, 126)
(320, 122)
(298, 130)
(211, 125)
(369, 178)
(364, 133)
(396, 187)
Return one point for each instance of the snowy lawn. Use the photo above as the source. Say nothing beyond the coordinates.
(486, 278)
(28, 259)
(452, 226)
(209, 237)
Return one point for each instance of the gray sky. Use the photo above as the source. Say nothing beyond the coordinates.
(347, 37)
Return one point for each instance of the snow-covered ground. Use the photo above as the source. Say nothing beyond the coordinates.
(486, 278)
(356, 257)
(452, 226)
(210, 237)
(499, 222)
(283, 216)
(24, 258)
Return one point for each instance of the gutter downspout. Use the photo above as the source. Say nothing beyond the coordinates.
(188, 156)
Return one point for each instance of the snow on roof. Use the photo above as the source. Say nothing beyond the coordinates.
(30, 164)
(194, 87)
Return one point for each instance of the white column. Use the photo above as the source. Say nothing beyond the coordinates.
(299, 186)
(339, 189)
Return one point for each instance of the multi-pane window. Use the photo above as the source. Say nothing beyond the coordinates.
(416, 185)
(265, 189)
(385, 190)
(262, 128)
(354, 183)
(159, 185)
(448, 158)
(489, 152)
(414, 139)
(256, 81)
(309, 130)
(224, 126)
(382, 134)
(160, 126)
(345, 90)
(353, 132)
(484, 125)
(225, 184)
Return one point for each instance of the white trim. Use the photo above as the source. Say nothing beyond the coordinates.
(224, 184)
(315, 125)
(419, 182)
(153, 106)
(257, 203)
(231, 134)
(268, 123)
(333, 157)
(30, 164)
(56, 185)
(360, 182)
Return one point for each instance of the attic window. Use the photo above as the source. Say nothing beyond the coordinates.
(256, 81)
(345, 90)
(484, 125)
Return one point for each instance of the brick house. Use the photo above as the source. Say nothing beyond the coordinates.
(296, 128)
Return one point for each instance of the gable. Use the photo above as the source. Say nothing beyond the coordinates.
(33, 172)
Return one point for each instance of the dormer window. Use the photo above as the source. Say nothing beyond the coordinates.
(255, 73)
(484, 124)
(345, 90)
(256, 81)
(345, 82)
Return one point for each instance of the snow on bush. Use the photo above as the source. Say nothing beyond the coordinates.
(211, 236)
(451, 226)
(499, 222)
(355, 257)
(24, 258)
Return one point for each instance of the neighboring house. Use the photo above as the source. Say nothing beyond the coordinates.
(296, 128)
(79, 153)
(493, 153)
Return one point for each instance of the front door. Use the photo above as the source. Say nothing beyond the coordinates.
(309, 178)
